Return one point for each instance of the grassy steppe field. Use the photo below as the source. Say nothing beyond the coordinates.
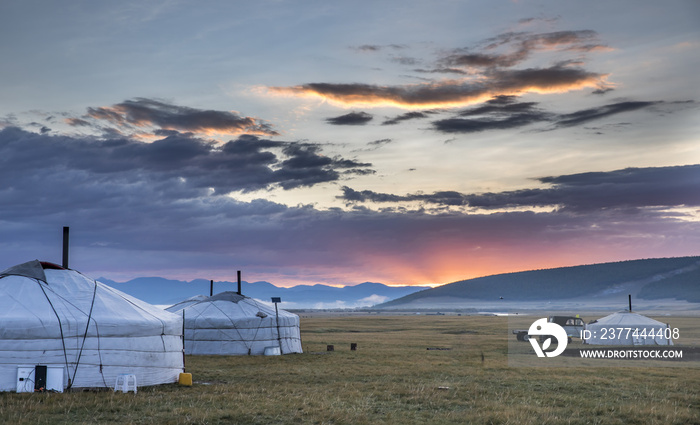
(391, 379)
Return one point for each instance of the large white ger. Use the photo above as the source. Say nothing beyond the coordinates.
(229, 323)
(85, 332)
(627, 328)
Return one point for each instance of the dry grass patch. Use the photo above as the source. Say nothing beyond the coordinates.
(391, 379)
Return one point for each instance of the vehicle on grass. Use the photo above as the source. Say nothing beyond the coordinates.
(573, 325)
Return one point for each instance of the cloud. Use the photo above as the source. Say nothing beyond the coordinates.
(352, 195)
(586, 115)
(442, 71)
(369, 48)
(501, 112)
(505, 112)
(407, 116)
(445, 198)
(138, 209)
(305, 166)
(602, 91)
(554, 79)
(353, 118)
(179, 164)
(143, 114)
(627, 189)
(519, 46)
(405, 60)
(487, 69)
(451, 93)
(523, 44)
(374, 145)
(380, 142)
(377, 47)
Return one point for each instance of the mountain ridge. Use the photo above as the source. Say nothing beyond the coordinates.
(648, 279)
(163, 291)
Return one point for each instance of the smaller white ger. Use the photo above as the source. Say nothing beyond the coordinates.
(627, 328)
(229, 323)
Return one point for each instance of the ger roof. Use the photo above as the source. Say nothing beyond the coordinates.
(33, 269)
(626, 317)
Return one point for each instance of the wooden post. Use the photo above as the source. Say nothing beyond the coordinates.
(183, 340)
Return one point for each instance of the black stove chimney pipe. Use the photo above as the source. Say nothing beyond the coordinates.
(239, 282)
(66, 230)
(630, 298)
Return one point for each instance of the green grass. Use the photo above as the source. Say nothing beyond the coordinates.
(392, 378)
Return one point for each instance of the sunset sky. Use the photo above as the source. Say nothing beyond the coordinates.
(304, 142)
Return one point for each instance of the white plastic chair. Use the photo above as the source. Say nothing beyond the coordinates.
(125, 382)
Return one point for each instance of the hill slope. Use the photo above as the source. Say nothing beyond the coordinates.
(649, 279)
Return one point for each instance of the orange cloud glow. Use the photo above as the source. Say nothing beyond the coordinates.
(449, 93)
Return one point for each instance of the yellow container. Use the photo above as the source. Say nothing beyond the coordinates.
(185, 379)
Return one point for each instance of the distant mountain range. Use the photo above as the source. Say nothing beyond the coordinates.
(653, 283)
(160, 291)
(675, 280)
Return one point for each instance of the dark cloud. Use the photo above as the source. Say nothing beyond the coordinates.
(500, 105)
(442, 71)
(602, 91)
(519, 47)
(78, 122)
(405, 117)
(368, 196)
(380, 142)
(353, 118)
(369, 48)
(360, 171)
(586, 115)
(505, 112)
(526, 20)
(628, 189)
(446, 198)
(156, 205)
(305, 166)
(483, 60)
(527, 41)
(376, 47)
(177, 163)
(405, 60)
(501, 112)
(374, 145)
(545, 79)
(464, 125)
(143, 113)
(138, 209)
